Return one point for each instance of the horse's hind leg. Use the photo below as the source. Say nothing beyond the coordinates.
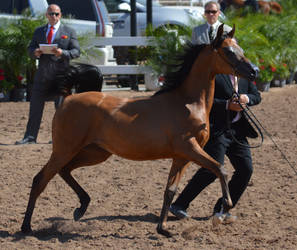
(39, 183)
(90, 155)
(176, 172)
(84, 198)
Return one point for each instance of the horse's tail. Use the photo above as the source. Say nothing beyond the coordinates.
(88, 78)
(79, 76)
(276, 7)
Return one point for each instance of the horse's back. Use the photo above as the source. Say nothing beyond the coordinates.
(131, 128)
(83, 106)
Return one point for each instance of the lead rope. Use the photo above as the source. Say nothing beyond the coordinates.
(246, 110)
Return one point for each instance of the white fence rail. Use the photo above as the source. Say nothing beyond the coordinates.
(150, 79)
(122, 41)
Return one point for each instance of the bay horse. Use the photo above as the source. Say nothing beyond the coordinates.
(174, 123)
(265, 6)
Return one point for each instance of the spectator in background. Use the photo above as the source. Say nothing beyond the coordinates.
(206, 32)
(67, 48)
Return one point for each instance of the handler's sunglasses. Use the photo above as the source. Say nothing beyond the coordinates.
(53, 14)
(211, 11)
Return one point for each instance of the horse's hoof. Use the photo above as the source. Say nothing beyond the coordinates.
(77, 214)
(26, 229)
(164, 232)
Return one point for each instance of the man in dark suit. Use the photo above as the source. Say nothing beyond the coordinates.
(227, 121)
(67, 48)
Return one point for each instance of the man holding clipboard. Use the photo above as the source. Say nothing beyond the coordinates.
(54, 45)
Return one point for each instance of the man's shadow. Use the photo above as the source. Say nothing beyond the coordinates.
(13, 144)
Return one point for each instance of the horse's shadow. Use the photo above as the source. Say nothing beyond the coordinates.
(54, 231)
(149, 217)
(44, 234)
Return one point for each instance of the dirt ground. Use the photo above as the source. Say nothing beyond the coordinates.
(127, 195)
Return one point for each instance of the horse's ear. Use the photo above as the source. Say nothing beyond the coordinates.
(231, 33)
(215, 43)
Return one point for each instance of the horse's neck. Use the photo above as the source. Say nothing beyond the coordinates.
(199, 85)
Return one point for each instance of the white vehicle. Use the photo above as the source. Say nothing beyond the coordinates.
(87, 17)
(162, 15)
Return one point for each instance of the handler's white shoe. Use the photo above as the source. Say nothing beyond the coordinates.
(229, 218)
(225, 218)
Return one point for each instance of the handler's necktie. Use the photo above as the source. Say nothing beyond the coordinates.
(235, 88)
(50, 35)
(234, 82)
(210, 33)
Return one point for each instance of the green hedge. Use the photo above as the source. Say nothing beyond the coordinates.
(15, 64)
(270, 41)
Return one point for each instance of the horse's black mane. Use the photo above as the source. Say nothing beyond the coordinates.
(177, 73)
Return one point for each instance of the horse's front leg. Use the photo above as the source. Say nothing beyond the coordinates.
(177, 170)
(195, 153)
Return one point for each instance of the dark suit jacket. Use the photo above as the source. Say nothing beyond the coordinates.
(66, 39)
(200, 33)
(219, 118)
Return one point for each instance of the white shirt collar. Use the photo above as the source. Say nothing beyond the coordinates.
(56, 26)
(215, 25)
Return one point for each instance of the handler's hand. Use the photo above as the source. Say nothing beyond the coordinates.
(243, 99)
(37, 52)
(234, 106)
(234, 102)
(57, 52)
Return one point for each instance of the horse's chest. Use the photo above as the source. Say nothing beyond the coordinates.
(198, 123)
(197, 115)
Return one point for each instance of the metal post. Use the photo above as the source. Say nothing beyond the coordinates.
(133, 20)
(149, 12)
(133, 29)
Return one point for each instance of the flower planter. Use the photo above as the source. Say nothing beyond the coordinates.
(263, 86)
(18, 95)
(290, 79)
(278, 83)
(4, 97)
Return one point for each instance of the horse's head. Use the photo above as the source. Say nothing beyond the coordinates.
(231, 59)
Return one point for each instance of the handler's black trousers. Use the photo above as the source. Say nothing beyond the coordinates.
(37, 102)
(240, 158)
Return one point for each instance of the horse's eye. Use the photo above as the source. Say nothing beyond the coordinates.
(232, 55)
(229, 51)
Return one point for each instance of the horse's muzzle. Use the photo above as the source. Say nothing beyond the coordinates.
(248, 71)
(256, 70)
